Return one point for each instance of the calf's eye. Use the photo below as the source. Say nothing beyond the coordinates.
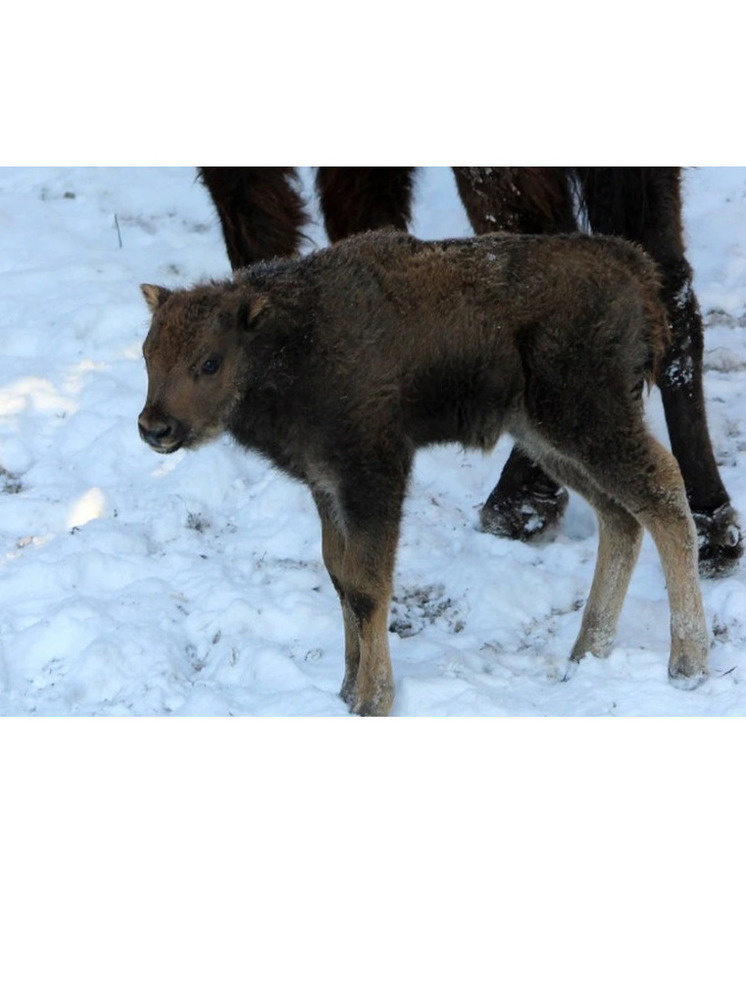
(211, 366)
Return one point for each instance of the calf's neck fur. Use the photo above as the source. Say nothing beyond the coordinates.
(338, 366)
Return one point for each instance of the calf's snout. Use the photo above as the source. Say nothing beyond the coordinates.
(161, 432)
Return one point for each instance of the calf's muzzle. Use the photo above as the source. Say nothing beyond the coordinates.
(161, 432)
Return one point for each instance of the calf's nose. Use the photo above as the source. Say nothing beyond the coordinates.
(155, 436)
(156, 432)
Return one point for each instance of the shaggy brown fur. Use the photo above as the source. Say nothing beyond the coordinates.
(642, 204)
(339, 366)
(360, 200)
(534, 200)
(260, 209)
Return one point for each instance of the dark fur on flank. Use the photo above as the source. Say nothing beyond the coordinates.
(642, 204)
(340, 365)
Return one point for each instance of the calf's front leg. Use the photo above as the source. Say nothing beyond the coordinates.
(373, 693)
(361, 565)
(333, 550)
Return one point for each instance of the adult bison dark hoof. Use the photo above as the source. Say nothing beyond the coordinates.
(720, 540)
(524, 515)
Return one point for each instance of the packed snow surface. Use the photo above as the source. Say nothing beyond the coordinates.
(133, 584)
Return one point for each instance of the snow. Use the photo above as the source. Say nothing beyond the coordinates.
(192, 585)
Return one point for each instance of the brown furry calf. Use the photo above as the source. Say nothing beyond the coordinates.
(340, 365)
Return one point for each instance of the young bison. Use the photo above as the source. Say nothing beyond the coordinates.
(340, 365)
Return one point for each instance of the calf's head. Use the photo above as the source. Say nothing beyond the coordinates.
(195, 362)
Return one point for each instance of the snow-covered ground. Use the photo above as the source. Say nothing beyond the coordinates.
(138, 585)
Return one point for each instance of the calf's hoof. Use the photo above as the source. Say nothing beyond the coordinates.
(524, 514)
(597, 646)
(720, 540)
(568, 669)
(686, 674)
(348, 693)
(374, 703)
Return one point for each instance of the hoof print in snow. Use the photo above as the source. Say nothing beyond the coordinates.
(10, 484)
(415, 608)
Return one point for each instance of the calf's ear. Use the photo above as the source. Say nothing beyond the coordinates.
(154, 296)
(249, 310)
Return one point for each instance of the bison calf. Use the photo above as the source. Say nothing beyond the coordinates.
(340, 365)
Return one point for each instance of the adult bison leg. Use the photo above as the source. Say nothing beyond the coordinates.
(260, 209)
(644, 205)
(680, 382)
(363, 198)
(532, 200)
(526, 502)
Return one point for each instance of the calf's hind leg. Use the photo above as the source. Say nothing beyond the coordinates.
(664, 510)
(644, 479)
(619, 538)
